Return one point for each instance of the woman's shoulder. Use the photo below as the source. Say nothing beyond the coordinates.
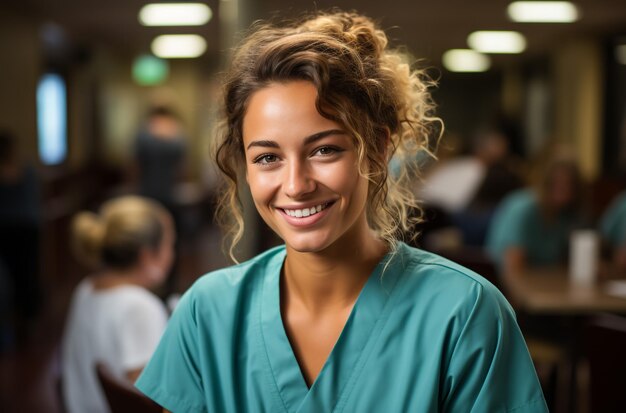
(235, 280)
(520, 199)
(242, 272)
(427, 275)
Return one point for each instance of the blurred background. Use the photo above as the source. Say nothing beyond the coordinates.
(519, 92)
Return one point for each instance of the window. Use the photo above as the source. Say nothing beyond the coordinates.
(52, 119)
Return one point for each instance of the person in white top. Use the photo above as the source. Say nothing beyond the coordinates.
(114, 319)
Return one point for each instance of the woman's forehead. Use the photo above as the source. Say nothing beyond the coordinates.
(284, 109)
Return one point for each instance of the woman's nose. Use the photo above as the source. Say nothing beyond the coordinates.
(298, 181)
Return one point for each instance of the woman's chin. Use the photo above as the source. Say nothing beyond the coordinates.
(307, 245)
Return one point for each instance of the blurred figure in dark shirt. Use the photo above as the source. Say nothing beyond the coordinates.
(20, 227)
(159, 152)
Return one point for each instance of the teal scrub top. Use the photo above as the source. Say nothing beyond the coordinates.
(613, 223)
(518, 222)
(425, 335)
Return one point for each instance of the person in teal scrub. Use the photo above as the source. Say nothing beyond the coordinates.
(613, 230)
(532, 227)
(343, 317)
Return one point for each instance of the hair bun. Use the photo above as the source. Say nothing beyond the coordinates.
(87, 237)
(351, 28)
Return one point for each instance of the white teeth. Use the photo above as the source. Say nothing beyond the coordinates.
(299, 213)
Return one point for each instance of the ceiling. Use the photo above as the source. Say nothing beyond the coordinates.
(428, 28)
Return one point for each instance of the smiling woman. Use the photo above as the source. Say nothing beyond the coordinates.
(312, 113)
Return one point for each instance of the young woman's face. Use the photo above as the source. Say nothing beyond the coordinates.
(302, 168)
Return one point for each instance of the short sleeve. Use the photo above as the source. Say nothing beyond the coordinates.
(172, 377)
(141, 327)
(490, 369)
(508, 227)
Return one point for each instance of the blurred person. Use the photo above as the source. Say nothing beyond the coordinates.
(114, 319)
(452, 183)
(160, 148)
(20, 231)
(500, 177)
(613, 230)
(531, 227)
(159, 152)
(343, 317)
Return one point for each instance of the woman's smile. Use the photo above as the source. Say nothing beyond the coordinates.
(306, 216)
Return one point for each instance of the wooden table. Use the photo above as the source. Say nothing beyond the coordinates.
(550, 291)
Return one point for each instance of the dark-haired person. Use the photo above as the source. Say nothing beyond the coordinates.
(160, 147)
(343, 317)
(114, 319)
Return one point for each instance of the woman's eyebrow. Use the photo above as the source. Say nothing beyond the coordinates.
(263, 144)
(317, 136)
(308, 140)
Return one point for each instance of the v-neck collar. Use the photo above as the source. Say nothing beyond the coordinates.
(349, 353)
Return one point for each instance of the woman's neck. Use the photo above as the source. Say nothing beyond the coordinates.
(331, 279)
(112, 278)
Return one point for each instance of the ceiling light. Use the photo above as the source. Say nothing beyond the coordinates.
(497, 41)
(170, 46)
(465, 60)
(620, 53)
(543, 12)
(175, 14)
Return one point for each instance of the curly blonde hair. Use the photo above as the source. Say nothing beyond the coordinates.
(361, 84)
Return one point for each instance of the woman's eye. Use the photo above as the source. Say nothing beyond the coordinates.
(266, 159)
(326, 150)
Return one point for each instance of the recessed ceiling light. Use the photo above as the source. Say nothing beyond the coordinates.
(173, 46)
(465, 60)
(543, 12)
(493, 41)
(175, 14)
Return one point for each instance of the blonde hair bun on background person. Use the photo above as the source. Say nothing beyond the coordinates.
(115, 236)
(87, 235)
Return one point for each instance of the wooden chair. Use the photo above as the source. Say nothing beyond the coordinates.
(123, 397)
(605, 345)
